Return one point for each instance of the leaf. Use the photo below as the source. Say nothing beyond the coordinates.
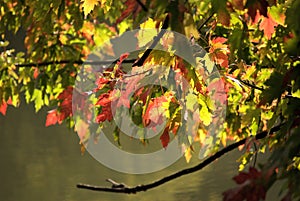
(51, 118)
(37, 96)
(191, 101)
(188, 154)
(223, 17)
(248, 188)
(88, 6)
(219, 51)
(3, 107)
(268, 26)
(165, 137)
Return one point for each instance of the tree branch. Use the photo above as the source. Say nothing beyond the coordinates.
(135, 62)
(74, 62)
(144, 187)
(251, 85)
(156, 39)
(202, 25)
(142, 5)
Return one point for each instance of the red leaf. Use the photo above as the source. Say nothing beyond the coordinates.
(100, 82)
(3, 107)
(66, 94)
(106, 114)
(252, 186)
(103, 99)
(65, 110)
(122, 58)
(51, 117)
(165, 137)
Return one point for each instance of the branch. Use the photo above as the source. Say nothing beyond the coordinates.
(144, 187)
(251, 85)
(202, 25)
(142, 5)
(73, 62)
(156, 39)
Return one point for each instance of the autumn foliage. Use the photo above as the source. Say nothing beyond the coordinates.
(252, 44)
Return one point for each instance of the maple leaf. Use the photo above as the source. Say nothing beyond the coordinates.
(122, 58)
(252, 186)
(104, 100)
(65, 110)
(219, 51)
(155, 111)
(3, 107)
(268, 26)
(88, 6)
(52, 117)
(165, 137)
(100, 82)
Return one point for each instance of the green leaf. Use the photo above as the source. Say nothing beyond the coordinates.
(37, 97)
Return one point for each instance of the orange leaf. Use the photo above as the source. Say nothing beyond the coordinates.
(268, 26)
(3, 108)
(51, 117)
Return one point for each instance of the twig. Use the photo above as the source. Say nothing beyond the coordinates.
(251, 85)
(132, 190)
(156, 39)
(204, 23)
(142, 5)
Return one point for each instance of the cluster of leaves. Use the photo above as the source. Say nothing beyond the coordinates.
(255, 44)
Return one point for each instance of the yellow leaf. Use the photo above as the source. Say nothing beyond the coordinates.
(88, 6)
(188, 154)
(296, 94)
(149, 24)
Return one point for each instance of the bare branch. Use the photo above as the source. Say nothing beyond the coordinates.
(73, 62)
(132, 190)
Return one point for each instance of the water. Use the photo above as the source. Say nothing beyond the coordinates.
(39, 163)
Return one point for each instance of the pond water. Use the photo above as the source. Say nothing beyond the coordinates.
(39, 163)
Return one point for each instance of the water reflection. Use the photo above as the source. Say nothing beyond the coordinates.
(39, 163)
